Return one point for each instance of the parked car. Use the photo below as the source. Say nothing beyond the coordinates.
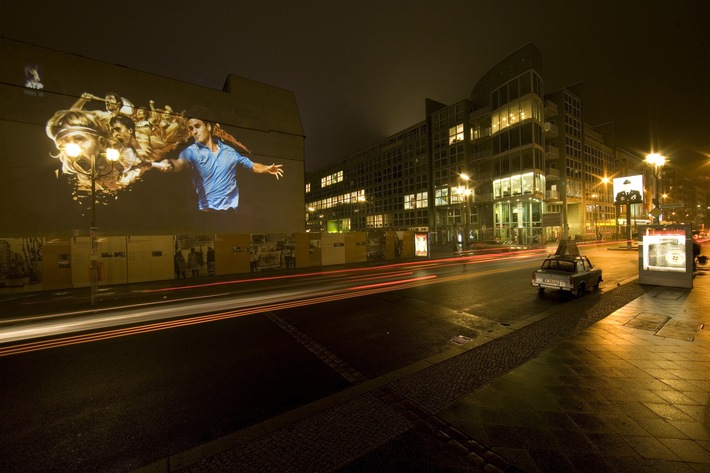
(567, 271)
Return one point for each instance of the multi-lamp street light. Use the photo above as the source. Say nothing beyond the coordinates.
(112, 155)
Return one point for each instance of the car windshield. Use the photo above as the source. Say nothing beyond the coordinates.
(559, 265)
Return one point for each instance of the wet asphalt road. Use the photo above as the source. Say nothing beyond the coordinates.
(122, 403)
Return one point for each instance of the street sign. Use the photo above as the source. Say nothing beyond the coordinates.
(674, 205)
(553, 219)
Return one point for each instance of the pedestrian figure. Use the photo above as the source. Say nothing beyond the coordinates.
(210, 261)
(253, 260)
(193, 263)
(180, 265)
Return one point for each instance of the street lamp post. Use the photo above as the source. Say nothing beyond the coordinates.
(604, 198)
(664, 196)
(464, 193)
(656, 161)
(594, 216)
(73, 150)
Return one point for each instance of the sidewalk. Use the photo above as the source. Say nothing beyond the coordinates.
(614, 384)
(629, 394)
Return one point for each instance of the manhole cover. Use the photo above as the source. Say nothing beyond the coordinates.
(650, 322)
(680, 330)
(670, 295)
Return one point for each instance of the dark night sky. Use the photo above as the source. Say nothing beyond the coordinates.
(361, 70)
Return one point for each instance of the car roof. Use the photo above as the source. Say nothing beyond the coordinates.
(565, 257)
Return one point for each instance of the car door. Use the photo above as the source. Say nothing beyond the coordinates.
(587, 271)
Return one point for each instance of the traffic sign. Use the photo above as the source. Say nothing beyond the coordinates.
(674, 205)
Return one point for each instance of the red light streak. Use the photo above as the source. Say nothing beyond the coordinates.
(392, 283)
(357, 291)
(387, 275)
(406, 264)
(136, 330)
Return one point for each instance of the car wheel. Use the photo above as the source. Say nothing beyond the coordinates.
(580, 290)
(540, 289)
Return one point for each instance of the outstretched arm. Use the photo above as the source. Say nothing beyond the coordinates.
(170, 165)
(274, 169)
(85, 97)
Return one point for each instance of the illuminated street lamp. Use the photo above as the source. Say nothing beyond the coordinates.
(362, 200)
(74, 150)
(605, 196)
(309, 216)
(464, 192)
(656, 161)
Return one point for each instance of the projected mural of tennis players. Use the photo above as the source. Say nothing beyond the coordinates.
(214, 165)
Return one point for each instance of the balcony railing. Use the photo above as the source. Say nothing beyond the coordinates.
(551, 130)
(552, 152)
(552, 195)
(550, 108)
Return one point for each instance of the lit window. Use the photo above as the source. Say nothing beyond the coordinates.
(409, 202)
(456, 134)
(515, 112)
(441, 197)
(331, 179)
(375, 221)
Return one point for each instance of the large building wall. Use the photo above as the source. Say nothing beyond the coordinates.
(534, 172)
(41, 197)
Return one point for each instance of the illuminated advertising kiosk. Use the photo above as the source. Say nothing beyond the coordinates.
(421, 244)
(666, 255)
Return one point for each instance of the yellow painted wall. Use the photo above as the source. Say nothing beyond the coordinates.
(231, 254)
(315, 250)
(66, 262)
(150, 258)
(333, 248)
(356, 247)
(390, 239)
(56, 264)
(112, 256)
(408, 245)
(302, 249)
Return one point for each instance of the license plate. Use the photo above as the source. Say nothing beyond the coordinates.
(551, 281)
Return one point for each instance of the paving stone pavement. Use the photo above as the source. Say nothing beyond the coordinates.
(618, 382)
(617, 397)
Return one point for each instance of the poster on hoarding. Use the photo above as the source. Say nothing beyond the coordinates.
(628, 190)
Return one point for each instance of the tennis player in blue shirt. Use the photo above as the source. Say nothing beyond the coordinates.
(214, 165)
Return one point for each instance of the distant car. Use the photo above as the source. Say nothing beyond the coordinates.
(570, 273)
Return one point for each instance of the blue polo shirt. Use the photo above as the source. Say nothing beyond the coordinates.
(215, 175)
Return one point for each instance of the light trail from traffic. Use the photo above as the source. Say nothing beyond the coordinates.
(53, 343)
(142, 317)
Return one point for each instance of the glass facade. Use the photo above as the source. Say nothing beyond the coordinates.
(491, 167)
